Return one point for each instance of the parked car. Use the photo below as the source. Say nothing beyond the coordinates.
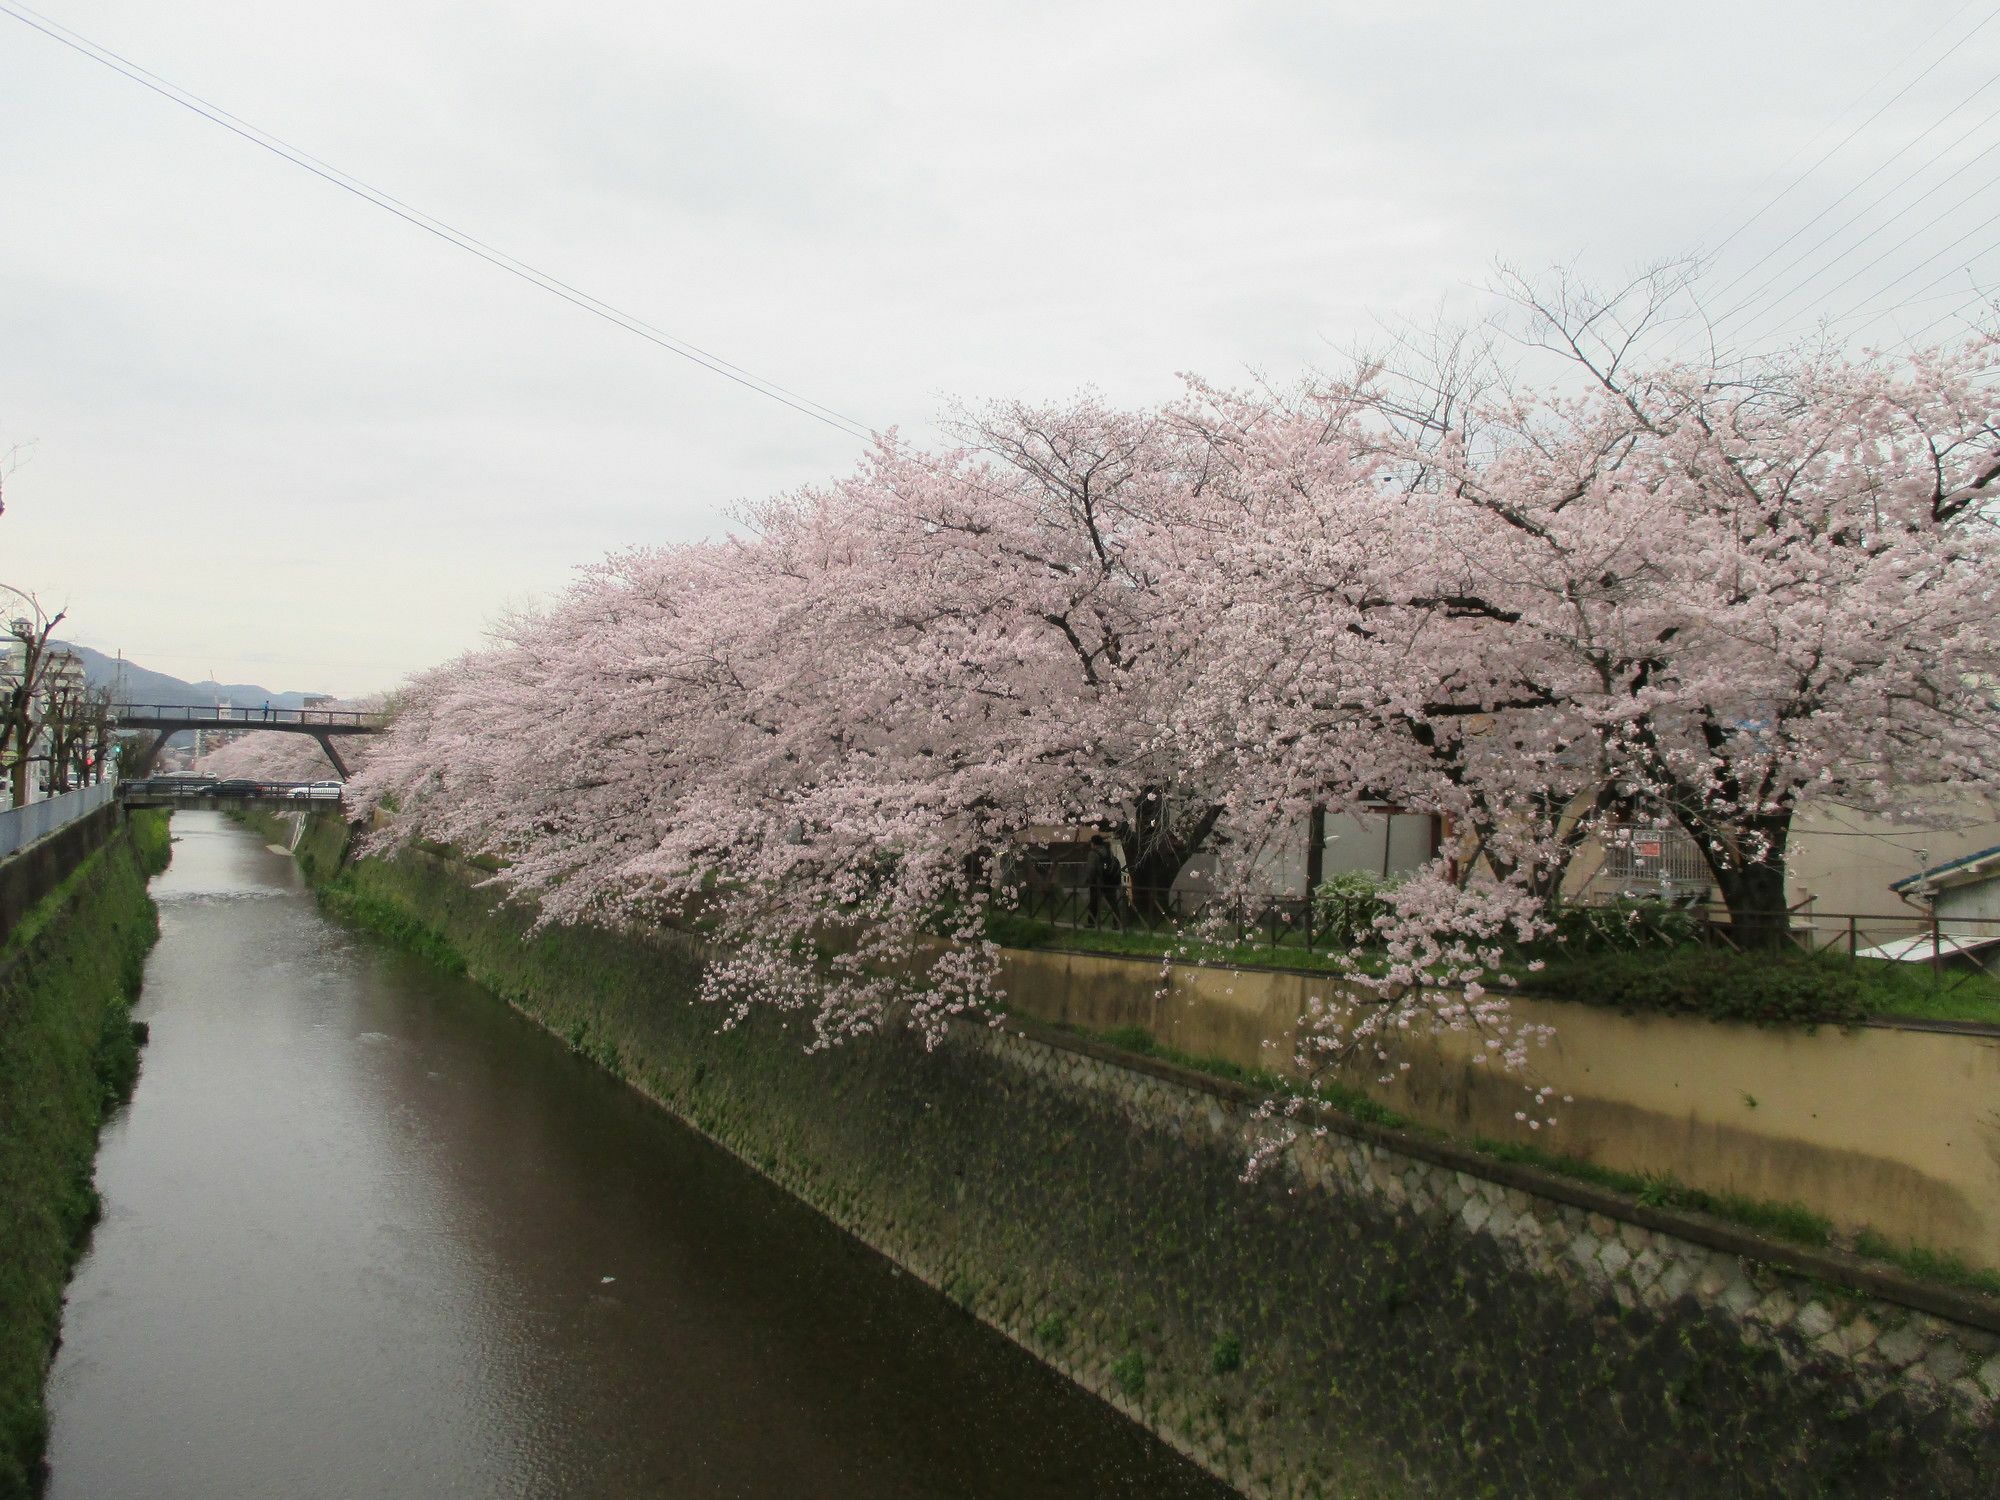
(170, 785)
(316, 791)
(234, 787)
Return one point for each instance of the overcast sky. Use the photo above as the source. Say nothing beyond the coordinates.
(272, 431)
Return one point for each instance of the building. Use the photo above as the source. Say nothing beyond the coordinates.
(1961, 901)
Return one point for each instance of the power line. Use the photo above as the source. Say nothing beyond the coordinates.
(805, 406)
(1958, 310)
(1806, 146)
(1923, 296)
(1837, 146)
(1978, 228)
(1929, 224)
(1863, 212)
(512, 265)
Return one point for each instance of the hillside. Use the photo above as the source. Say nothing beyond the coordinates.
(142, 685)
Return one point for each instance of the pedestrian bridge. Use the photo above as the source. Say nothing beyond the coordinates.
(168, 719)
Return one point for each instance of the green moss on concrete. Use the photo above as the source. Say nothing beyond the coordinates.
(322, 848)
(1792, 1222)
(151, 832)
(68, 1056)
(1329, 1342)
(355, 896)
(1931, 1265)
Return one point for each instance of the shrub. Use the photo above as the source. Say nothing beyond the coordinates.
(1622, 926)
(1767, 989)
(1345, 908)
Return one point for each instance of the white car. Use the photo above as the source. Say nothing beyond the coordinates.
(317, 791)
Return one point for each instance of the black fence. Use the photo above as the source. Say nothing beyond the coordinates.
(1946, 946)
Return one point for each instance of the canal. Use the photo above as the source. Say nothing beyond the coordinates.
(366, 1232)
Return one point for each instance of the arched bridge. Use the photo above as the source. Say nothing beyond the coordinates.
(168, 719)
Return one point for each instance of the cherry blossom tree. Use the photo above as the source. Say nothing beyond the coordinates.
(1683, 592)
(842, 716)
(1741, 585)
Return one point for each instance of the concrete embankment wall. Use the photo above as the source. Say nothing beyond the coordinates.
(1386, 1316)
(28, 876)
(1881, 1128)
(68, 1053)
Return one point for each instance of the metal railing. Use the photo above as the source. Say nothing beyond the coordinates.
(1644, 860)
(1947, 946)
(1913, 937)
(164, 789)
(141, 715)
(21, 826)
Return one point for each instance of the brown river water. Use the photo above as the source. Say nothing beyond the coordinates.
(368, 1233)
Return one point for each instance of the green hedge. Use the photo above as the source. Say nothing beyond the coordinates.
(1723, 986)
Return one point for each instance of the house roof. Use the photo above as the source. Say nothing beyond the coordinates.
(1961, 871)
(1919, 949)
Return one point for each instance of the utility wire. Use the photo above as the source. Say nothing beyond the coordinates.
(1923, 296)
(512, 265)
(1864, 211)
(1798, 151)
(805, 406)
(1978, 228)
(1837, 146)
(1978, 194)
(1958, 310)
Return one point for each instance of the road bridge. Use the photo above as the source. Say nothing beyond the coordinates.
(166, 720)
(269, 796)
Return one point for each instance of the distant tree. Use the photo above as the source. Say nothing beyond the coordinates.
(29, 667)
(75, 718)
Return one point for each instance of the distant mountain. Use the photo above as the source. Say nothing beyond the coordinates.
(136, 684)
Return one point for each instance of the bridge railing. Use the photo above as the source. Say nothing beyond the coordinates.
(181, 788)
(21, 826)
(142, 714)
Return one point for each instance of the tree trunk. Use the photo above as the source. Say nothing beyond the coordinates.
(1156, 851)
(1752, 881)
(19, 778)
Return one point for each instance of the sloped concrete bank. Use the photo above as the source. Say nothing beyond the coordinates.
(68, 1055)
(1385, 1317)
(27, 877)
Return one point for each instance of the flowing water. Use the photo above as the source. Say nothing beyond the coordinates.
(367, 1233)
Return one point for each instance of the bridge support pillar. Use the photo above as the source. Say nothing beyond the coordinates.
(326, 744)
(143, 763)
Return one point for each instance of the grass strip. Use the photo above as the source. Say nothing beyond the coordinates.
(1771, 990)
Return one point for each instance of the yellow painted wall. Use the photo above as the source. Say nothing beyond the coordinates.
(1892, 1130)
